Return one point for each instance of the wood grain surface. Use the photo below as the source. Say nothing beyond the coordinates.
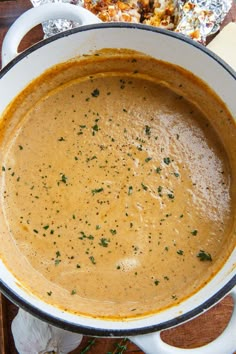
(192, 334)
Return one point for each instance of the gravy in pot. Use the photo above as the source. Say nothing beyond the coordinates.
(117, 185)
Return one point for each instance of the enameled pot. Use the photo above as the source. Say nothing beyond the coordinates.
(21, 69)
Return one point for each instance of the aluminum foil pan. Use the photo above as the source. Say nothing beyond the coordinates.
(197, 19)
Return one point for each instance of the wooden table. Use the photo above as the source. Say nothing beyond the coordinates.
(195, 333)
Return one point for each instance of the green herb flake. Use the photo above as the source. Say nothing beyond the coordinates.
(20, 147)
(58, 254)
(95, 128)
(204, 256)
(57, 262)
(180, 252)
(63, 178)
(144, 186)
(95, 93)
(73, 292)
(92, 259)
(158, 170)
(147, 130)
(156, 282)
(45, 227)
(61, 139)
(104, 242)
(130, 190)
(148, 159)
(49, 293)
(167, 160)
(3, 168)
(97, 190)
(176, 174)
(113, 231)
(94, 157)
(194, 232)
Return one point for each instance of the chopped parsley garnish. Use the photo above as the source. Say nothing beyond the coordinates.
(140, 147)
(113, 231)
(57, 261)
(144, 186)
(204, 256)
(130, 190)
(94, 157)
(104, 242)
(194, 232)
(63, 178)
(95, 93)
(97, 190)
(58, 254)
(167, 160)
(148, 159)
(147, 130)
(61, 139)
(92, 259)
(95, 128)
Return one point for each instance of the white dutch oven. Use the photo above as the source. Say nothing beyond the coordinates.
(21, 69)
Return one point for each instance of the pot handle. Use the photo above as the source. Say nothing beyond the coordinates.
(225, 344)
(38, 15)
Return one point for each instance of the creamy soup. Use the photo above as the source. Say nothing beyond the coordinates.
(117, 185)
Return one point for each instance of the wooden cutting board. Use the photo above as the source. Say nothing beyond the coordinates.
(195, 333)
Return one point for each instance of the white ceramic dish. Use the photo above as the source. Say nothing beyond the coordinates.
(19, 70)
